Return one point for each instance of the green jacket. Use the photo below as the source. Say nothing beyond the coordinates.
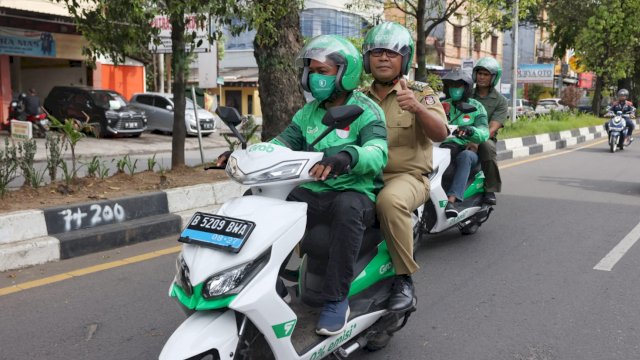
(477, 120)
(365, 140)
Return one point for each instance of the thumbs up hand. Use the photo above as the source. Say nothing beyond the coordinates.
(406, 98)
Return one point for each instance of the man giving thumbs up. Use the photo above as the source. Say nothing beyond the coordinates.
(415, 118)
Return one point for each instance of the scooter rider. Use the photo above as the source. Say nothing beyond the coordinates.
(627, 109)
(486, 75)
(415, 118)
(349, 176)
(472, 128)
(32, 103)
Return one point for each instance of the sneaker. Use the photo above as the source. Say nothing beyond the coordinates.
(402, 293)
(333, 318)
(628, 140)
(450, 210)
(490, 198)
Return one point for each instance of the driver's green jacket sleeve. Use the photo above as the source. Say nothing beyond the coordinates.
(477, 120)
(365, 140)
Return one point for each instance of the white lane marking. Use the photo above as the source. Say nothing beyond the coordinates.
(608, 262)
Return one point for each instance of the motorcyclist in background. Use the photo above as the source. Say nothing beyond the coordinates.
(32, 103)
(628, 111)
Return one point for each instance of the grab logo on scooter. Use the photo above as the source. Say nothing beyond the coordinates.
(262, 147)
(384, 268)
(285, 329)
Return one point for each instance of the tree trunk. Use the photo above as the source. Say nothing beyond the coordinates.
(178, 64)
(279, 75)
(597, 96)
(421, 42)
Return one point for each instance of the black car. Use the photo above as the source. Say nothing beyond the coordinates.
(106, 110)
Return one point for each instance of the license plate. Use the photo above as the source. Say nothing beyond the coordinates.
(130, 125)
(207, 126)
(220, 232)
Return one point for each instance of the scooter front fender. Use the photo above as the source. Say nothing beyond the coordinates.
(202, 332)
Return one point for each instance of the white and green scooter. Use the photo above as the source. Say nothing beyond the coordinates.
(430, 218)
(230, 270)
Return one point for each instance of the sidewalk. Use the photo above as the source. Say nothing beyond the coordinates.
(41, 235)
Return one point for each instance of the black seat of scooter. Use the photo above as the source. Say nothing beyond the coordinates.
(316, 241)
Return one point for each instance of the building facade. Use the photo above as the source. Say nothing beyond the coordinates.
(40, 48)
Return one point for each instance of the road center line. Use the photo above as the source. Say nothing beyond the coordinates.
(608, 262)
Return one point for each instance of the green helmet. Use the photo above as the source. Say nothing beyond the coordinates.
(340, 51)
(491, 65)
(391, 36)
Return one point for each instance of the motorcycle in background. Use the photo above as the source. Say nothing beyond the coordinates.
(40, 122)
(616, 131)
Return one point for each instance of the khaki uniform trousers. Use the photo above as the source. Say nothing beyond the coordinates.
(400, 196)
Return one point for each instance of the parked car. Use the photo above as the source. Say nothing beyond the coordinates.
(585, 105)
(545, 106)
(523, 108)
(105, 110)
(159, 110)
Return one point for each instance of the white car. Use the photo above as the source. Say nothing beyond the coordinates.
(545, 106)
(158, 108)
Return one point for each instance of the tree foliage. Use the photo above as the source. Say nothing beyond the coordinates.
(483, 17)
(121, 28)
(601, 35)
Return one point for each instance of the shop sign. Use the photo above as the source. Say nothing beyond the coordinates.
(21, 130)
(28, 43)
(201, 30)
(535, 73)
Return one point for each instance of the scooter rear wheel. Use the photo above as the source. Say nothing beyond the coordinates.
(470, 229)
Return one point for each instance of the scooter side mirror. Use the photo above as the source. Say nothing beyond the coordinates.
(232, 118)
(338, 117)
(465, 108)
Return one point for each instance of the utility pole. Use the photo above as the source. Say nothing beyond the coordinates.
(514, 78)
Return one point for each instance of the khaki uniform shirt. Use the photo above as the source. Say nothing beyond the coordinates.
(410, 150)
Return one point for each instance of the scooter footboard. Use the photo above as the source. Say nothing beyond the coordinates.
(202, 333)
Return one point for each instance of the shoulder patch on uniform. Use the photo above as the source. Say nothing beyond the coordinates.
(417, 85)
(428, 100)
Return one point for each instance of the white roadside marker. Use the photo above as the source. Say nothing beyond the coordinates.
(608, 262)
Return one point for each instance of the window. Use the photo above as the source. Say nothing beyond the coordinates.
(161, 102)
(243, 41)
(315, 22)
(457, 36)
(477, 44)
(494, 44)
(145, 99)
(250, 104)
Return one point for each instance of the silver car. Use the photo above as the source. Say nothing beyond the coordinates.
(158, 108)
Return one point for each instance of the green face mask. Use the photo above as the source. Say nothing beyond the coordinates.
(456, 93)
(322, 86)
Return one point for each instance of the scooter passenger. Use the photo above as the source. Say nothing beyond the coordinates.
(415, 118)
(350, 174)
(472, 128)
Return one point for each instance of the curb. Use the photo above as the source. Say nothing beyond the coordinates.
(33, 237)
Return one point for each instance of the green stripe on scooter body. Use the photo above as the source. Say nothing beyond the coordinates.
(476, 187)
(197, 301)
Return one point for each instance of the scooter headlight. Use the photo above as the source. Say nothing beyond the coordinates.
(283, 171)
(233, 280)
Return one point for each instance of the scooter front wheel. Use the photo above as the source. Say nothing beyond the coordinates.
(253, 345)
(613, 143)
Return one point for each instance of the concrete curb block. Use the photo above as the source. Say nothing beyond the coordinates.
(35, 237)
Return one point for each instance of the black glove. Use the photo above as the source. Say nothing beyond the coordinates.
(467, 131)
(340, 163)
